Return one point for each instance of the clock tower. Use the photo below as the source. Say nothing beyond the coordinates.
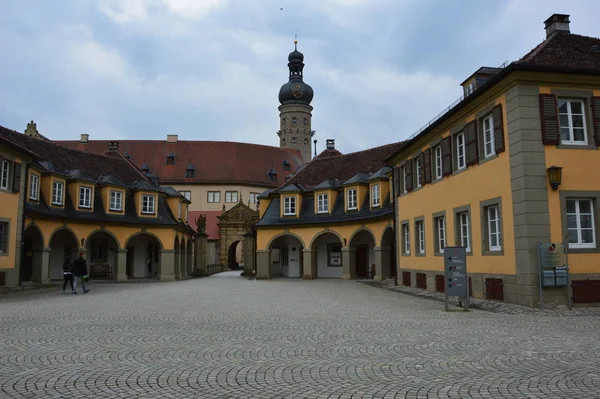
(295, 111)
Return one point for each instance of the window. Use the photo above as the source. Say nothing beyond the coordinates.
(420, 234)
(418, 170)
(148, 204)
(254, 198)
(3, 237)
(187, 195)
(85, 197)
(231, 196)
(488, 136)
(404, 180)
(305, 122)
(4, 176)
(335, 255)
(375, 194)
(283, 121)
(322, 203)
(460, 151)
(580, 223)
(170, 160)
(57, 192)
(351, 196)
(438, 161)
(289, 206)
(34, 187)
(215, 196)
(99, 251)
(294, 121)
(464, 230)
(116, 201)
(294, 140)
(189, 173)
(572, 121)
(440, 230)
(406, 238)
(493, 219)
(470, 88)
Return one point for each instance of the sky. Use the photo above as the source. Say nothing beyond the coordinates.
(212, 69)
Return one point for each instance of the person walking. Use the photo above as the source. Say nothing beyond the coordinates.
(80, 273)
(68, 274)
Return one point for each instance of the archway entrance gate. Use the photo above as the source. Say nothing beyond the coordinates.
(233, 224)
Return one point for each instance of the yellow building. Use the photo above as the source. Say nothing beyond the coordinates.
(333, 219)
(102, 205)
(478, 176)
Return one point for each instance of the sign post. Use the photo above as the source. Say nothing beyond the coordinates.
(455, 274)
(553, 268)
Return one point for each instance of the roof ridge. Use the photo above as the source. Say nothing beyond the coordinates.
(357, 152)
(536, 50)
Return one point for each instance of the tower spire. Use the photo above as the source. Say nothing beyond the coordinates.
(296, 41)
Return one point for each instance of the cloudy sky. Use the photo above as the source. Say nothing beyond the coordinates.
(212, 69)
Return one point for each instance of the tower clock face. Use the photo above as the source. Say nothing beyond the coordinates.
(297, 91)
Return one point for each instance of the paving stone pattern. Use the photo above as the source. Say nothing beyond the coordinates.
(228, 337)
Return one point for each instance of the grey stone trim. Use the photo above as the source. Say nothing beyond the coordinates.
(485, 110)
(586, 96)
(436, 238)
(433, 146)
(483, 160)
(595, 197)
(459, 127)
(416, 240)
(483, 205)
(481, 138)
(457, 232)
(8, 240)
(403, 223)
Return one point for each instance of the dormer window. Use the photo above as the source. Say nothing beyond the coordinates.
(272, 174)
(322, 203)
(470, 88)
(116, 201)
(190, 170)
(171, 158)
(34, 187)
(289, 206)
(375, 195)
(351, 199)
(286, 165)
(148, 204)
(85, 197)
(57, 192)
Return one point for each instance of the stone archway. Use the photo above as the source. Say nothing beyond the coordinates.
(233, 225)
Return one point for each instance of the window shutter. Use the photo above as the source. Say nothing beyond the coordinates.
(549, 118)
(471, 139)
(397, 173)
(16, 183)
(427, 163)
(498, 129)
(447, 156)
(421, 171)
(596, 119)
(409, 175)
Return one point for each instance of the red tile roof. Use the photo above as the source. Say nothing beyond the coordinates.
(565, 50)
(214, 161)
(212, 228)
(344, 166)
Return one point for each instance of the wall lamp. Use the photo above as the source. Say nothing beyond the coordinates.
(555, 176)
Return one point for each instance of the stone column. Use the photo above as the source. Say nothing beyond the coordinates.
(167, 265)
(349, 263)
(382, 263)
(176, 264)
(120, 272)
(249, 253)
(309, 264)
(200, 250)
(263, 265)
(182, 263)
(42, 268)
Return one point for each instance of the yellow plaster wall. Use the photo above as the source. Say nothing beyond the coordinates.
(478, 183)
(138, 200)
(47, 189)
(262, 206)
(173, 204)
(361, 192)
(74, 188)
(9, 203)
(331, 197)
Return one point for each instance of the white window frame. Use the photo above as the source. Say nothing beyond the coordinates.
(58, 190)
(418, 169)
(85, 197)
(376, 201)
(214, 197)
(493, 219)
(406, 229)
(229, 197)
(253, 198)
(34, 187)
(461, 155)
(569, 115)
(148, 204)
(464, 224)
(352, 199)
(322, 203)
(438, 162)
(187, 194)
(5, 175)
(421, 236)
(404, 180)
(289, 206)
(440, 225)
(488, 137)
(116, 201)
(579, 244)
(470, 88)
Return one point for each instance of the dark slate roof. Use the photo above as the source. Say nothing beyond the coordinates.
(266, 193)
(49, 167)
(291, 188)
(171, 192)
(329, 183)
(307, 213)
(79, 174)
(382, 173)
(359, 178)
(110, 180)
(144, 185)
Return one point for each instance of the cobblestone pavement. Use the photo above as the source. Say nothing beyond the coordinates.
(228, 337)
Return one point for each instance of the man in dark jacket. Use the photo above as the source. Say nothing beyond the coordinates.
(67, 274)
(80, 273)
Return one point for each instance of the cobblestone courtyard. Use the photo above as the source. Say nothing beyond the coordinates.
(227, 337)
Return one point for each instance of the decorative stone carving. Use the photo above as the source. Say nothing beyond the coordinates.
(201, 224)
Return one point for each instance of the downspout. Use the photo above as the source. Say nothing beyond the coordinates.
(23, 193)
(395, 224)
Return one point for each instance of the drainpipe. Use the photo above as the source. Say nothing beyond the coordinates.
(395, 224)
(23, 193)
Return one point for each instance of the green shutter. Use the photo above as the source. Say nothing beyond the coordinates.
(549, 119)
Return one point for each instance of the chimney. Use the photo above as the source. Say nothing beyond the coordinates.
(84, 138)
(171, 138)
(330, 143)
(113, 146)
(557, 23)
